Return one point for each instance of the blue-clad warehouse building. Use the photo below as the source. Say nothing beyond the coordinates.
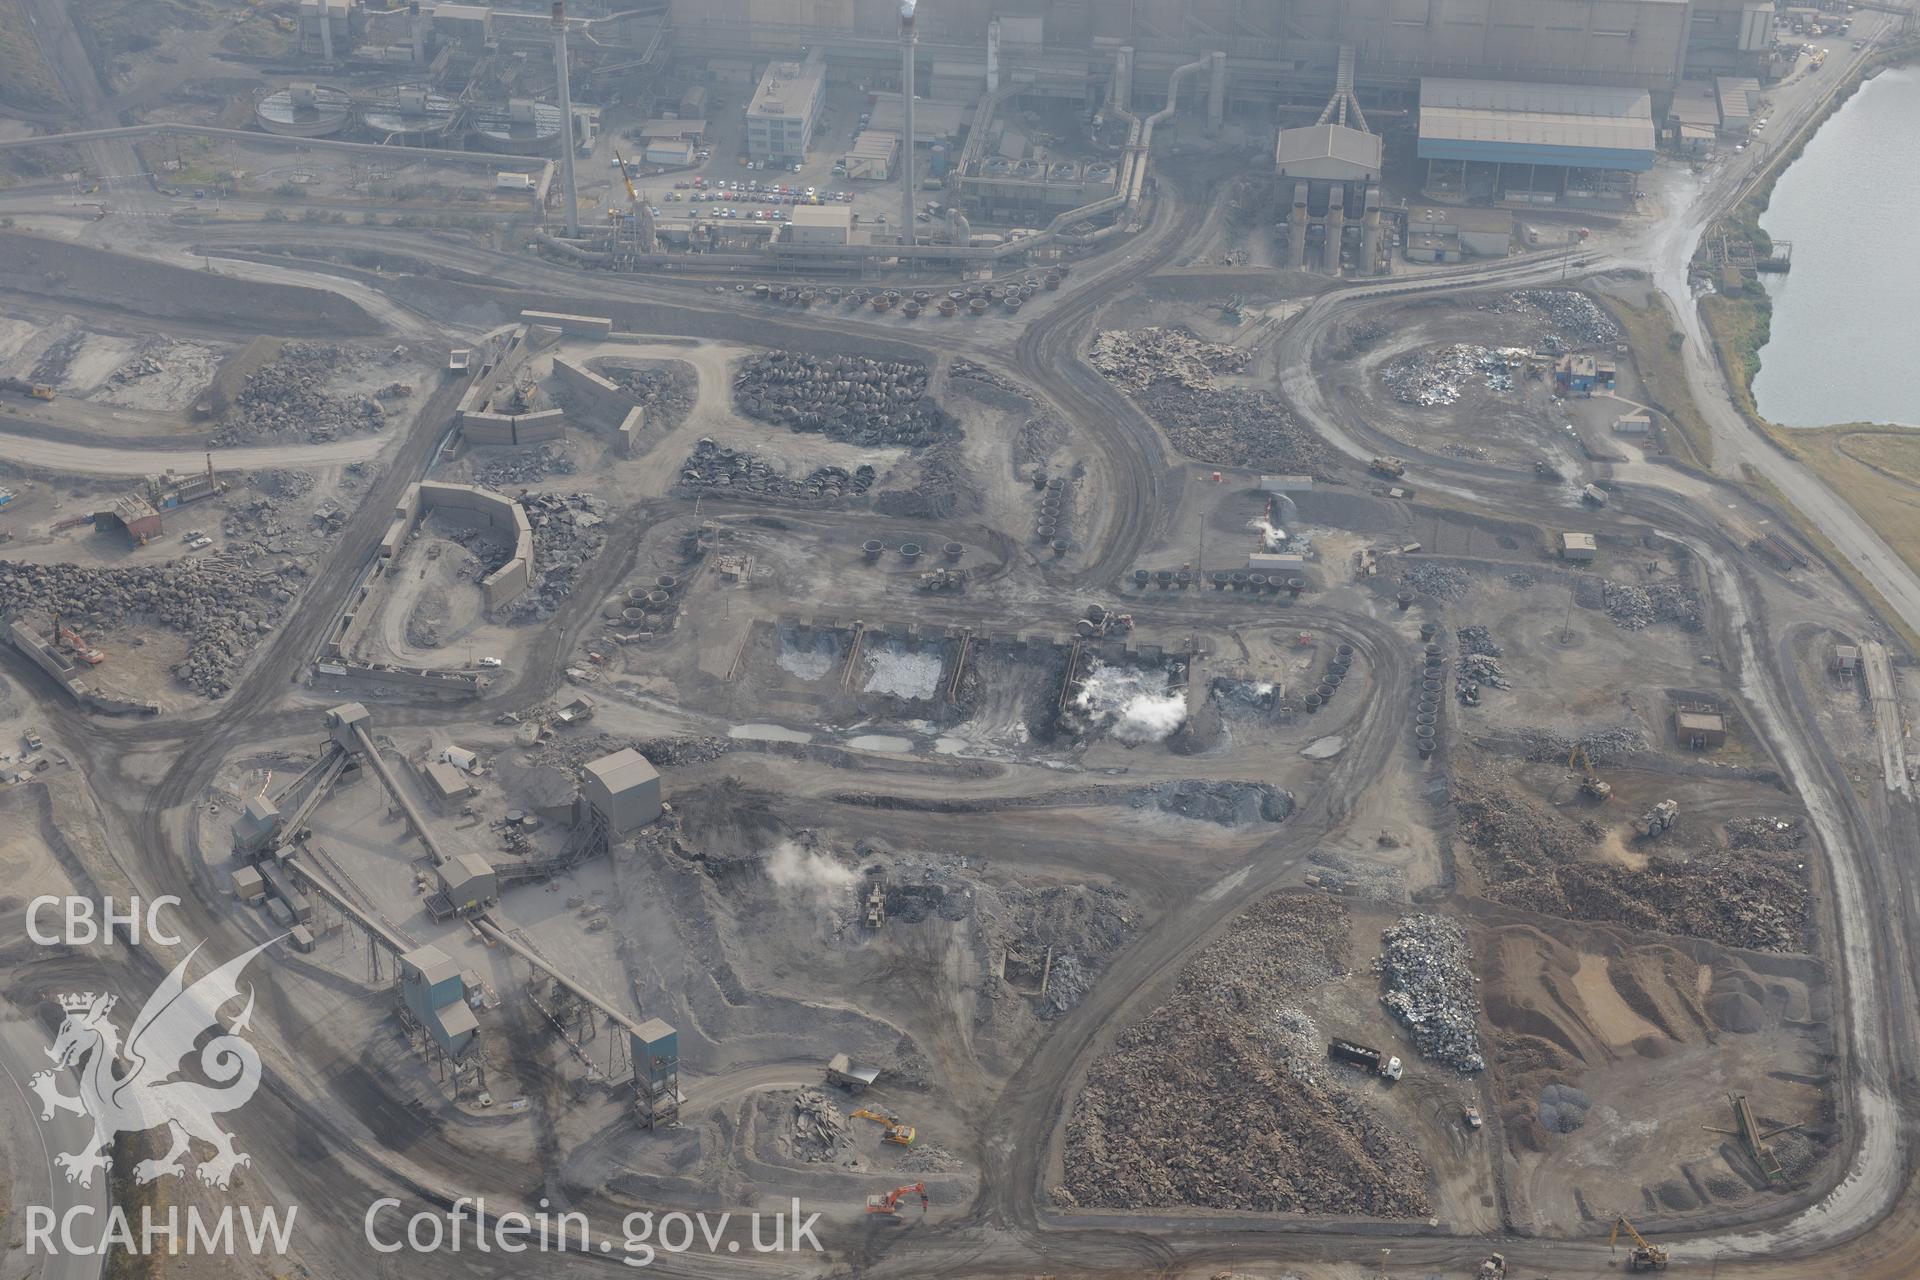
(1546, 144)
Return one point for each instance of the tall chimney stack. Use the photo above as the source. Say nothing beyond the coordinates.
(566, 117)
(908, 37)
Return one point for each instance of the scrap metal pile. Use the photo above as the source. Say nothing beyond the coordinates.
(1427, 969)
(1138, 358)
(289, 394)
(1146, 1131)
(568, 531)
(854, 399)
(747, 474)
(1634, 608)
(667, 392)
(525, 466)
(1532, 857)
(223, 606)
(1438, 377)
(1573, 319)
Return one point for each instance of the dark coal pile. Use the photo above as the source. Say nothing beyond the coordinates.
(289, 395)
(853, 399)
(1563, 1108)
(1236, 428)
(672, 752)
(223, 606)
(667, 392)
(528, 466)
(941, 492)
(742, 473)
(1532, 857)
(1443, 581)
(1146, 1130)
(568, 531)
(1231, 804)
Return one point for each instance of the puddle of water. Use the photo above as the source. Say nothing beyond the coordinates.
(880, 742)
(768, 733)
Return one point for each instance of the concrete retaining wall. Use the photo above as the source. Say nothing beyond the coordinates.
(630, 429)
(578, 326)
(503, 585)
(594, 398)
(459, 684)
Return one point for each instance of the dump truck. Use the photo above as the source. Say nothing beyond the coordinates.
(1391, 468)
(852, 1076)
(458, 359)
(37, 390)
(1364, 1057)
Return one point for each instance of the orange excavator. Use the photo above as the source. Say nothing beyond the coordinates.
(73, 642)
(890, 1202)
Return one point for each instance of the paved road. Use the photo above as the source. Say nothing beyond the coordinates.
(22, 1055)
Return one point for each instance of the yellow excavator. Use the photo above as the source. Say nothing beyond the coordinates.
(900, 1135)
(1591, 783)
(1645, 1255)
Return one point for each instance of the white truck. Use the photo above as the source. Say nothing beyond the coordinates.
(513, 182)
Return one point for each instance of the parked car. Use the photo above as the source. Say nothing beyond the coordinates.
(488, 662)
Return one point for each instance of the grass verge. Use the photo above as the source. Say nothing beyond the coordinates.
(1655, 342)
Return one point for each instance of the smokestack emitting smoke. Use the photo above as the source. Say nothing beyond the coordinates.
(811, 874)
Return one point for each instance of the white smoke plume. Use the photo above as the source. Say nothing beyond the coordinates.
(805, 872)
(1134, 706)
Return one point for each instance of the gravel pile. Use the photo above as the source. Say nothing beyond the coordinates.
(1573, 318)
(740, 472)
(848, 398)
(1635, 608)
(1230, 804)
(568, 531)
(1602, 746)
(223, 606)
(1145, 1131)
(1426, 969)
(289, 395)
(1438, 377)
(671, 752)
(1477, 639)
(1352, 877)
(524, 467)
(1441, 580)
(1138, 358)
(1234, 428)
(278, 482)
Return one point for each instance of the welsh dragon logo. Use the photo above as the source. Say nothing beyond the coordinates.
(132, 1088)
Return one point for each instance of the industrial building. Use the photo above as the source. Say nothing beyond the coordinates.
(872, 155)
(784, 110)
(1451, 233)
(1535, 143)
(820, 224)
(624, 790)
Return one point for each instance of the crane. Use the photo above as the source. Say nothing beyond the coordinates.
(890, 1202)
(901, 1135)
(1645, 1256)
(633, 197)
(1590, 781)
